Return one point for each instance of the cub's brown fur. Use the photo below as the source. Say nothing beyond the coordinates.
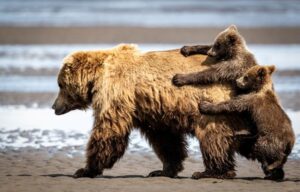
(128, 89)
(229, 59)
(275, 134)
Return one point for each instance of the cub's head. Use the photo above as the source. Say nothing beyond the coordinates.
(227, 44)
(256, 77)
(76, 80)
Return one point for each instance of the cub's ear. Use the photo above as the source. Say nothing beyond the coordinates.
(232, 28)
(262, 72)
(271, 69)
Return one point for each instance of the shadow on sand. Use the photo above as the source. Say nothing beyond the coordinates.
(141, 176)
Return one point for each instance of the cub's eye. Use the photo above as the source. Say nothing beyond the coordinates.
(217, 46)
(60, 85)
(246, 78)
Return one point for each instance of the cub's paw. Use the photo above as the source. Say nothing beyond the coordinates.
(185, 51)
(179, 80)
(275, 175)
(205, 107)
(84, 172)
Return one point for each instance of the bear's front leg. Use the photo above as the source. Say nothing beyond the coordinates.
(103, 150)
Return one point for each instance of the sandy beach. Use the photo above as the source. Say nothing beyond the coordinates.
(44, 170)
(123, 34)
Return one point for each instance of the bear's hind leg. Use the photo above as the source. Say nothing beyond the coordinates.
(270, 155)
(217, 152)
(170, 149)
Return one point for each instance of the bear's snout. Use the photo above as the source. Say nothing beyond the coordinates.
(59, 107)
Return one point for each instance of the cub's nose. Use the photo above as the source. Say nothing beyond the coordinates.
(240, 82)
(211, 53)
(54, 106)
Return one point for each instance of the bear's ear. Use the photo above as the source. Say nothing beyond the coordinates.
(271, 69)
(262, 72)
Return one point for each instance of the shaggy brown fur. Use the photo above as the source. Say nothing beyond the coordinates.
(229, 59)
(128, 89)
(275, 134)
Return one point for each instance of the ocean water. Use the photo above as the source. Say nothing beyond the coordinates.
(284, 57)
(247, 13)
(39, 127)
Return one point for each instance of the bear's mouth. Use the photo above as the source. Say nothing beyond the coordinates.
(62, 110)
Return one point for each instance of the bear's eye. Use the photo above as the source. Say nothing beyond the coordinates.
(246, 78)
(69, 97)
(60, 85)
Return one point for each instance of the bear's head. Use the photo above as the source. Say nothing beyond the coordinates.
(227, 44)
(82, 76)
(255, 78)
(76, 81)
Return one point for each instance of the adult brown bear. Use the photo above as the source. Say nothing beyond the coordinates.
(129, 89)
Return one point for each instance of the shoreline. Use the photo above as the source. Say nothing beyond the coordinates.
(125, 34)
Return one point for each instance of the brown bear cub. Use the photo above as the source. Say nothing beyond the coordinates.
(275, 138)
(230, 57)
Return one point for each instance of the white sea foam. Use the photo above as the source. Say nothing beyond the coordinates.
(39, 127)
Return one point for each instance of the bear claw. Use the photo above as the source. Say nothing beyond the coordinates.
(158, 173)
(178, 80)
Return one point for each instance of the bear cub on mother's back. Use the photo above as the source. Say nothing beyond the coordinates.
(230, 59)
(275, 134)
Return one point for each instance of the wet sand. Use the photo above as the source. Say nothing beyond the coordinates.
(33, 170)
(119, 34)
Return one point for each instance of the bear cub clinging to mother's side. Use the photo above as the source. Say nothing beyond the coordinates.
(230, 59)
(275, 134)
